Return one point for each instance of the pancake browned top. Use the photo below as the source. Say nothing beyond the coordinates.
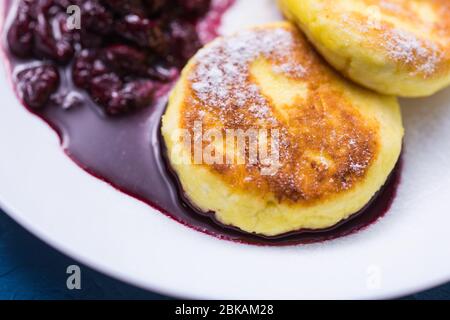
(413, 33)
(271, 78)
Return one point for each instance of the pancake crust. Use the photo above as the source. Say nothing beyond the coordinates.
(337, 145)
(398, 47)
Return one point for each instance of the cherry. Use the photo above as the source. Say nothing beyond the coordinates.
(36, 84)
(96, 18)
(104, 87)
(118, 98)
(184, 41)
(125, 60)
(142, 32)
(134, 95)
(46, 45)
(86, 66)
(20, 35)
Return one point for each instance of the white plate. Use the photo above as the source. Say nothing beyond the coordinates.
(405, 252)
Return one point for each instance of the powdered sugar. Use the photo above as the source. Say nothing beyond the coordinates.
(421, 55)
(391, 6)
(290, 69)
(406, 47)
(221, 77)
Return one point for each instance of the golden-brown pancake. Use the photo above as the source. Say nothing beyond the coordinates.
(335, 143)
(398, 47)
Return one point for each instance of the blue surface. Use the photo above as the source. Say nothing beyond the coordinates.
(30, 269)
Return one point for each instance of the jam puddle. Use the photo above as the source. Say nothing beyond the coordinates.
(127, 153)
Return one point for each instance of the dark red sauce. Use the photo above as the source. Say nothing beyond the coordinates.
(126, 151)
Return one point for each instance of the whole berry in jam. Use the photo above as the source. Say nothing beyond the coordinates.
(134, 95)
(87, 66)
(125, 60)
(35, 85)
(20, 34)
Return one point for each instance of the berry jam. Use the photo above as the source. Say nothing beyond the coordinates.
(104, 87)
